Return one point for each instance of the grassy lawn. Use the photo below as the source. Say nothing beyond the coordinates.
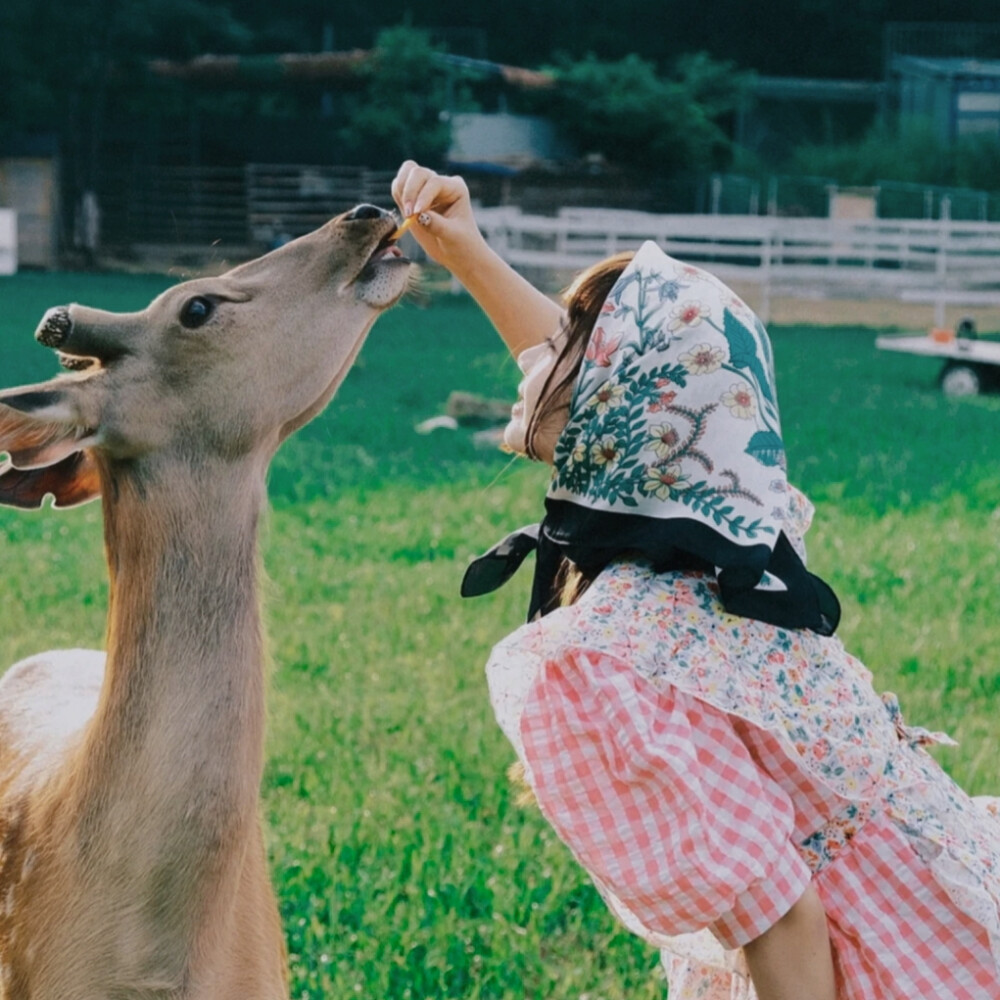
(403, 866)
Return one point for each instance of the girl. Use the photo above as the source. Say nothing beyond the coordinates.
(715, 760)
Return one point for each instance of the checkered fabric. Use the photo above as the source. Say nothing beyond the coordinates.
(688, 817)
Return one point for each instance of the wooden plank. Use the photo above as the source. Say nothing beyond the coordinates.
(983, 351)
(8, 241)
(953, 296)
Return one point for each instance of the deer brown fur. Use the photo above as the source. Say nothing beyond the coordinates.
(132, 862)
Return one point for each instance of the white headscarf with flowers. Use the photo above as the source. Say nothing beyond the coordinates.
(674, 413)
(672, 453)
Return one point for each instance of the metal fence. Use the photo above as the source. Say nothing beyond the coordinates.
(897, 200)
(287, 201)
(779, 194)
(811, 197)
(251, 207)
(174, 205)
(8, 241)
(261, 205)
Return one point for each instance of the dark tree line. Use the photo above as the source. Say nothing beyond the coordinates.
(654, 85)
(823, 38)
(56, 53)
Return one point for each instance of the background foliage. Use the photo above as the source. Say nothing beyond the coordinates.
(635, 116)
(916, 155)
(404, 868)
(651, 87)
(398, 113)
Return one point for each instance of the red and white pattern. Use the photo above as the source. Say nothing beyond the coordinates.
(657, 796)
(704, 769)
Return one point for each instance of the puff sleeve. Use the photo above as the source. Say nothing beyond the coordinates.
(659, 799)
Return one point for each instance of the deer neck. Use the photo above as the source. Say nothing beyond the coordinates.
(178, 735)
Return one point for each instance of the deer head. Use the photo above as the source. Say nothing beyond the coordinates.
(215, 367)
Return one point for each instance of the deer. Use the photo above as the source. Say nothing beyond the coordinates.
(132, 854)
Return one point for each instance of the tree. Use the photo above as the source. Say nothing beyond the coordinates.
(409, 93)
(62, 64)
(635, 118)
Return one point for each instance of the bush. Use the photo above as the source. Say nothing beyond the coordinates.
(637, 119)
(977, 162)
(403, 111)
(913, 155)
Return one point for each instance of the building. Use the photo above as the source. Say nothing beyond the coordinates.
(29, 185)
(956, 97)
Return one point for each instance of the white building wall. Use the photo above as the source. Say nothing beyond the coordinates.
(514, 141)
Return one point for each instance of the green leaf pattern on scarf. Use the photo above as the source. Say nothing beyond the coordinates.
(634, 437)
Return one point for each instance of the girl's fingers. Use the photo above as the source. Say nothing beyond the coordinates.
(426, 192)
(426, 220)
(399, 181)
(436, 210)
(417, 189)
(407, 181)
(414, 186)
(439, 193)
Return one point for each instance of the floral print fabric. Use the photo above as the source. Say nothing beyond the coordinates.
(889, 839)
(674, 412)
(672, 449)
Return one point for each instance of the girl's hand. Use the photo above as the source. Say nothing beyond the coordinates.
(446, 229)
(446, 226)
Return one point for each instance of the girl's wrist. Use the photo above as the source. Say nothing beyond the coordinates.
(468, 258)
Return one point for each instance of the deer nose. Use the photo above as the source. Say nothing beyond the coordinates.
(54, 327)
(363, 212)
(80, 332)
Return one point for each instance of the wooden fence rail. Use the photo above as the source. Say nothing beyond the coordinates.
(936, 261)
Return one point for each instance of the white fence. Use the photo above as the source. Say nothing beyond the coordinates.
(8, 241)
(935, 261)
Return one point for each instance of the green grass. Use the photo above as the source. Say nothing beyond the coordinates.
(403, 867)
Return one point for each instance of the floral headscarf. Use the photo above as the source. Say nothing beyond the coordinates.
(673, 452)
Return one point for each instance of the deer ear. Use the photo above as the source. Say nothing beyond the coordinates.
(71, 482)
(39, 426)
(43, 436)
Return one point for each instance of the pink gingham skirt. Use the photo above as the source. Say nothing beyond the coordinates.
(705, 769)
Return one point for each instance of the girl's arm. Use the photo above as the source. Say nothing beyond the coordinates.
(792, 959)
(446, 229)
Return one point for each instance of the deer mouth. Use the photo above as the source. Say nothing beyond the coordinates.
(75, 363)
(384, 275)
(386, 252)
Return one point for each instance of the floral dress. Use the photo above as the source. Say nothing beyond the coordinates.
(705, 769)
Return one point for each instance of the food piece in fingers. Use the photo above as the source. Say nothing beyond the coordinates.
(403, 226)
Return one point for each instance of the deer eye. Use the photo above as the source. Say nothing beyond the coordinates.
(196, 312)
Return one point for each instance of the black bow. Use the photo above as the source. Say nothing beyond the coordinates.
(494, 568)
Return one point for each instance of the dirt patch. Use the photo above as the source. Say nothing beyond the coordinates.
(865, 312)
(806, 311)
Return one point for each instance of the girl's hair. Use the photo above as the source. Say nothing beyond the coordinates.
(584, 299)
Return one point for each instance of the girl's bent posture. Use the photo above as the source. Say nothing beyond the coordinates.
(716, 761)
